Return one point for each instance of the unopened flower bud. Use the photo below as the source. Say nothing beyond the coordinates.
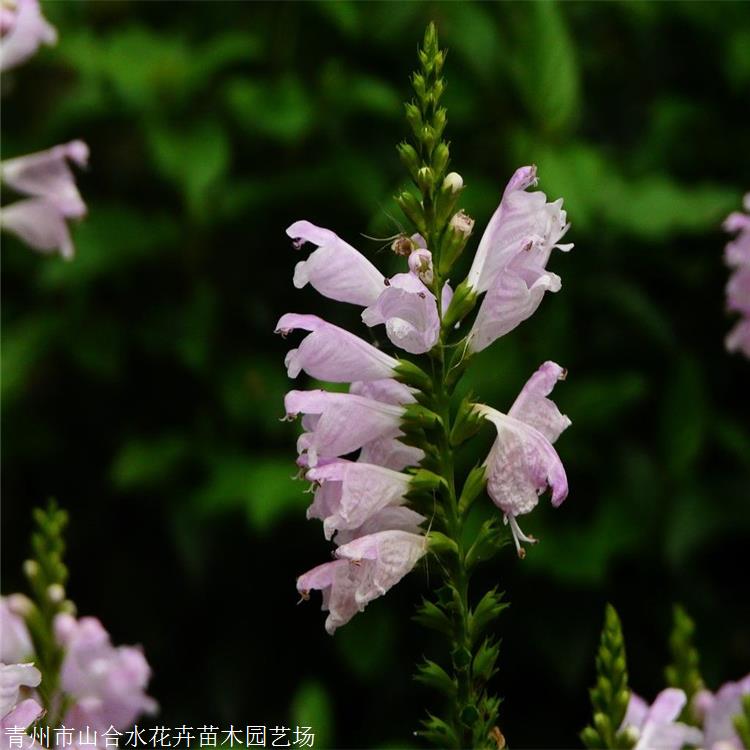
(31, 568)
(425, 179)
(19, 604)
(420, 263)
(453, 182)
(56, 593)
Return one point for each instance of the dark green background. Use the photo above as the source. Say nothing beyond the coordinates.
(142, 383)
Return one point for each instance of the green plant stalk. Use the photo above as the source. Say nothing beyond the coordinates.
(472, 713)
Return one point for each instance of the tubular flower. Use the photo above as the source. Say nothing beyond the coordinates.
(737, 257)
(17, 714)
(23, 29)
(656, 726)
(522, 463)
(340, 422)
(510, 263)
(335, 269)
(403, 303)
(366, 569)
(354, 492)
(333, 354)
(40, 219)
(106, 683)
(409, 310)
(718, 711)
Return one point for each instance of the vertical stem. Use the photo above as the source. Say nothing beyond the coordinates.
(456, 576)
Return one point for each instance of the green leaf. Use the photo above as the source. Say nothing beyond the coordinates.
(547, 70)
(433, 675)
(431, 616)
(311, 707)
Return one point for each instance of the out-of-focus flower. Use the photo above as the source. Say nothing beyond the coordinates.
(366, 568)
(717, 712)
(737, 257)
(16, 716)
(107, 684)
(510, 263)
(15, 643)
(656, 726)
(522, 462)
(23, 29)
(40, 220)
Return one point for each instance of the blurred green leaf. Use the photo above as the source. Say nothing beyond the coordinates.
(264, 488)
(311, 707)
(547, 70)
(146, 462)
(194, 158)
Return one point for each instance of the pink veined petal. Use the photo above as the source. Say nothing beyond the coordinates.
(365, 490)
(391, 453)
(24, 714)
(336, 270)
(393, 518)
(522, 220)
(534, 408)
(388, 391)
(346, 422)
(446, 295)
(333, 354)
(12, 678)
(337, 580)
(509, 302)
(420, 264)
(38, 223)
(23, 37)
(46, 174)
(520, 466)
(390, 554)
(409, 311)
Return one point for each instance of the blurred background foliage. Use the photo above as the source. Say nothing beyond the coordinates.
(142, 384)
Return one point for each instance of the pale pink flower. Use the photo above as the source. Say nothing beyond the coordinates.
(23, 29)
(40, 220)
(737, 257)
(15, 643)
(510, 263)
(352, 492)
(366, 568)
(13, 677)
(392, 518)
(656, 726)
(333, 354)
(522, 463)
(335, 269)
(717, 712)
(107, 684)
(409, 310)
(17, 715)
(388, 451)
(339, 423)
